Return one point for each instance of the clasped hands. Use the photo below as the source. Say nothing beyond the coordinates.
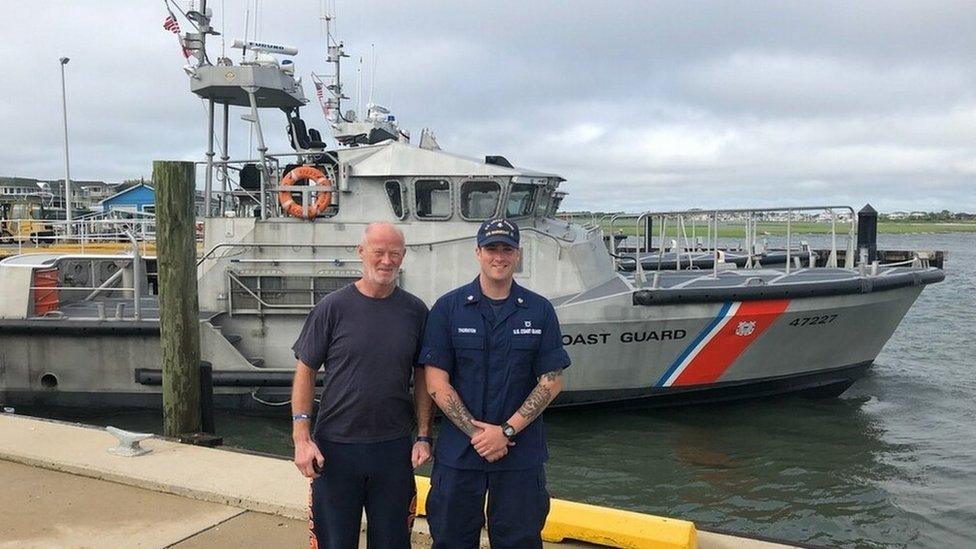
(489, 441)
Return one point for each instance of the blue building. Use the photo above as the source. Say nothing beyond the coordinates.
(140, 198)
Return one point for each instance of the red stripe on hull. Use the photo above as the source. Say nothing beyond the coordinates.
(726, 346)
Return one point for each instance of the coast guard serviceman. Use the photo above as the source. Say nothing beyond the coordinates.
(494, 359)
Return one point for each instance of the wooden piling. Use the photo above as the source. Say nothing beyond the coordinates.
(179, 324)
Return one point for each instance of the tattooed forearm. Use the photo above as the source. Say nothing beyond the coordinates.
(459, 415)
(535, 403)
(540, 397)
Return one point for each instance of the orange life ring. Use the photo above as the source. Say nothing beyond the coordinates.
(322, 200)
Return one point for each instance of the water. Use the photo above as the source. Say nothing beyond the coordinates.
(891, 463)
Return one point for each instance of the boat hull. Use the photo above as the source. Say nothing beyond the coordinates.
(632, 355)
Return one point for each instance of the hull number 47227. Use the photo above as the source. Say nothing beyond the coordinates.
(813, 320)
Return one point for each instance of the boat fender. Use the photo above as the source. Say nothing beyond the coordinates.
(322, 200)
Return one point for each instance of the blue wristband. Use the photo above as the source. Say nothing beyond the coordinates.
(428, 440)
(301, 417)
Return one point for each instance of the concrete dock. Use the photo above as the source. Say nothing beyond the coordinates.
(63, 489)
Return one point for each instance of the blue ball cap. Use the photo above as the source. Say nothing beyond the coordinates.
(494, 231)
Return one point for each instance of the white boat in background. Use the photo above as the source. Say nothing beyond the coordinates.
(667, 323)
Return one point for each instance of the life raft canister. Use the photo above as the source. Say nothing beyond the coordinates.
(322, 200)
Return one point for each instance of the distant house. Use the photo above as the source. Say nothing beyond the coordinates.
(85, 195)
(139, 198)
(918, 215)
(96, 191)
(898, 215)
(13, 187)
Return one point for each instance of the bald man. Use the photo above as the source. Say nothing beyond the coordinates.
(361, 452)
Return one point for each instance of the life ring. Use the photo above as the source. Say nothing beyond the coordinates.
(322, 200)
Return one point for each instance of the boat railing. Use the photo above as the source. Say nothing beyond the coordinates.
(232, 197)
(750, 221)
(131, 264)
(97, 232)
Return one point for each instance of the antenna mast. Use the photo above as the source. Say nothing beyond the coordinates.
(334, 54)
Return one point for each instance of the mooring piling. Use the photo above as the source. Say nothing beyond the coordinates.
(178, 309)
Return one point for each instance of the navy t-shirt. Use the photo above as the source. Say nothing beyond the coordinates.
(369, 348)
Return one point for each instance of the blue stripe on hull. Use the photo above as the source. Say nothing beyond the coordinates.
(684, 354)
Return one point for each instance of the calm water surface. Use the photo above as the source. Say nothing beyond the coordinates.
(890, 463)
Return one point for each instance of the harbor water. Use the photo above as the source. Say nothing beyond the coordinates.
(891, 463)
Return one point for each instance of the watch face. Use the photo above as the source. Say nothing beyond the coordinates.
(509, 431)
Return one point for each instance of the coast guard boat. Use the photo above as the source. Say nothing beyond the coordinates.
(662, 318)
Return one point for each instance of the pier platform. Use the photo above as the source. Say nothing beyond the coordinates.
(63, 489)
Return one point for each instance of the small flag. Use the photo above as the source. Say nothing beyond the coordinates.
(173, 26)
(318, 91)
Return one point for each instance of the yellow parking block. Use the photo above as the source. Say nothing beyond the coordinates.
(602, 525)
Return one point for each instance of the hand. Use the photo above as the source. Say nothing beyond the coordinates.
(420, 454)
(490, 442)
(307, 452)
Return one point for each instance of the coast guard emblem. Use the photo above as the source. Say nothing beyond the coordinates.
(745, 328)
(528, 323)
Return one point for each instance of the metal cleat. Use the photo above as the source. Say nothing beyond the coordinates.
(128, 442)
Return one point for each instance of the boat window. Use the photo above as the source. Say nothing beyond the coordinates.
(433, 198)
(394, 190)
(556, 202)
(542, 203)
(479, 199)
(519, 200)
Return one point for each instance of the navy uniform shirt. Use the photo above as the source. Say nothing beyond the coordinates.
(494, 360)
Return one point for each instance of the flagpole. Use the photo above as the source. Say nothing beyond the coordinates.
(67, 171)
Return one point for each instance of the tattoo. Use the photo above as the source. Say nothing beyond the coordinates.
(433, 395)
(551, 376)
(535, 403)
(459, 415)
(540, 397)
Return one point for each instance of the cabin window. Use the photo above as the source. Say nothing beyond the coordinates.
(519, 200)
(433, 198)
(556, 201)
(394, 190)
(479, 199)
(542, 203)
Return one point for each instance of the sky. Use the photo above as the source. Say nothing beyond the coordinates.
(639, 105)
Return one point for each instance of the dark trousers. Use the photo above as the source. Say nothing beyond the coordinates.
(518, 504)
(377, 477)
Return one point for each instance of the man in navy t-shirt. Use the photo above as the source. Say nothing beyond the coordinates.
(494, 358)
(361, 454)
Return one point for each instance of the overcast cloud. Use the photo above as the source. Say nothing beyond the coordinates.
(637, 104)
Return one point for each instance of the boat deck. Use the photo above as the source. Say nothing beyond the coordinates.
(698, 285)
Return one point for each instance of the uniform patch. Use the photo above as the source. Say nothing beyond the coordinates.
(467, 330)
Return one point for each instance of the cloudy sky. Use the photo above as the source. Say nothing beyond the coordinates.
(637, 104)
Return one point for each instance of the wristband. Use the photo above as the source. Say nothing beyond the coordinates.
(428, 440)
(301, 417)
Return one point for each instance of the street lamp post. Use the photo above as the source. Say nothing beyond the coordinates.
(67, 172)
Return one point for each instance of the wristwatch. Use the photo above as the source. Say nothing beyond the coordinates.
(508, 430)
